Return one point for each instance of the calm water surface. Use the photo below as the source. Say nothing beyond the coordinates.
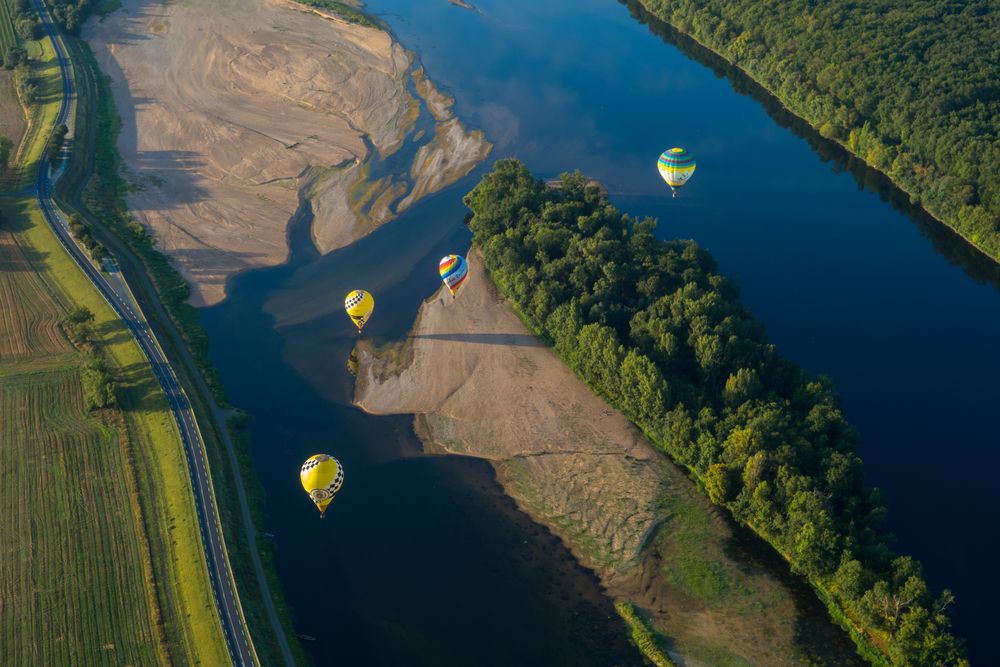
(420, 560)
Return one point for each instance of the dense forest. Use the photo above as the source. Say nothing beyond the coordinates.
(911, 87)
(69, 14)
(654, 328)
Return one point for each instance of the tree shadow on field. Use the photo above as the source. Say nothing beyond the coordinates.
(14, 255)
(169, 178)
(210, 267)
(519, 340)
(139, 390)
(113, 332)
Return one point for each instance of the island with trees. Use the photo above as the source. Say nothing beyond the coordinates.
(653, 327)
(910, 88)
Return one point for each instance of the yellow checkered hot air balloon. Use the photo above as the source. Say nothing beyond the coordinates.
(322, 476)
(359, 305)
(676, 166)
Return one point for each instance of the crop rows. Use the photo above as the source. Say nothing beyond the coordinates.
(7, 37)
(29, 315)
(72, 573)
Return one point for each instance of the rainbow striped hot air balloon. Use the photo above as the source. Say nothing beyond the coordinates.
(454, 270)
(676, 166)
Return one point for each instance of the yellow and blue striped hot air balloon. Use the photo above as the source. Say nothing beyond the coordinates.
(359, 305)
(676, 166)
(322, 476)
(454, 270)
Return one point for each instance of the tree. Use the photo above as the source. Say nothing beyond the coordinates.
(80, 315)
(719, 484)
(6, 146)
(849, 579)
(26, 28)
(13, 56)
(99, 389)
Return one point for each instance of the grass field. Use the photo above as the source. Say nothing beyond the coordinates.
(7, 36)
(74, 563)
(12, 121)
(133, 461)
(101, 560)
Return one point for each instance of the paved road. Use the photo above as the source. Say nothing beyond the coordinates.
(113, 288)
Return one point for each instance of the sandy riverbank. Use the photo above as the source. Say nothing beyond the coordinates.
(481, 385)
(234, 112)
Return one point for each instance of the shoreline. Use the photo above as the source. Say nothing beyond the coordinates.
(581, 470)
(913, 199)
(222, 157)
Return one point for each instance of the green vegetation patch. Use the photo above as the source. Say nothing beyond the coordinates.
(692, 561)
(345, 11)
(74, 571)
(642, 636)
(909, 87)
(654, 329)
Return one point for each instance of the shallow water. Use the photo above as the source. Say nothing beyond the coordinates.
(419, 558)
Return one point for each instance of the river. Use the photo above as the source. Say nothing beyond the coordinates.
(421, 560)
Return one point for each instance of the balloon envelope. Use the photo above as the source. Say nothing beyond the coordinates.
(359, 305)
(454, 270)
(676, 166)
(322, 476)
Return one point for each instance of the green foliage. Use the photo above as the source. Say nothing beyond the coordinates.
(99, 389)
(719, 484)
(17, 18)
(344, 11)
(652, 327)
(27, 88)
(6, 146)
(82, 232)
(909, 87)
(642, 637)
(55, 144)
(69, 14)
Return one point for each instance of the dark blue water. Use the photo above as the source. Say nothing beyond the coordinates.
(848, 280)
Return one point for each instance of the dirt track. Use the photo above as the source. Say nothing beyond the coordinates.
(233, 111)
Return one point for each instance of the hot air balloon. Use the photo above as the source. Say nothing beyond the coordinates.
(359, 305)
(676, 166)
(322, 476)
(454, 270)
(352, 363)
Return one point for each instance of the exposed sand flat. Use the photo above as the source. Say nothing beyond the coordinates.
(487, 388)
(481, 385)
(232, 110)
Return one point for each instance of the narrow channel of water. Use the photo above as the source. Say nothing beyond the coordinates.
(419, 558)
